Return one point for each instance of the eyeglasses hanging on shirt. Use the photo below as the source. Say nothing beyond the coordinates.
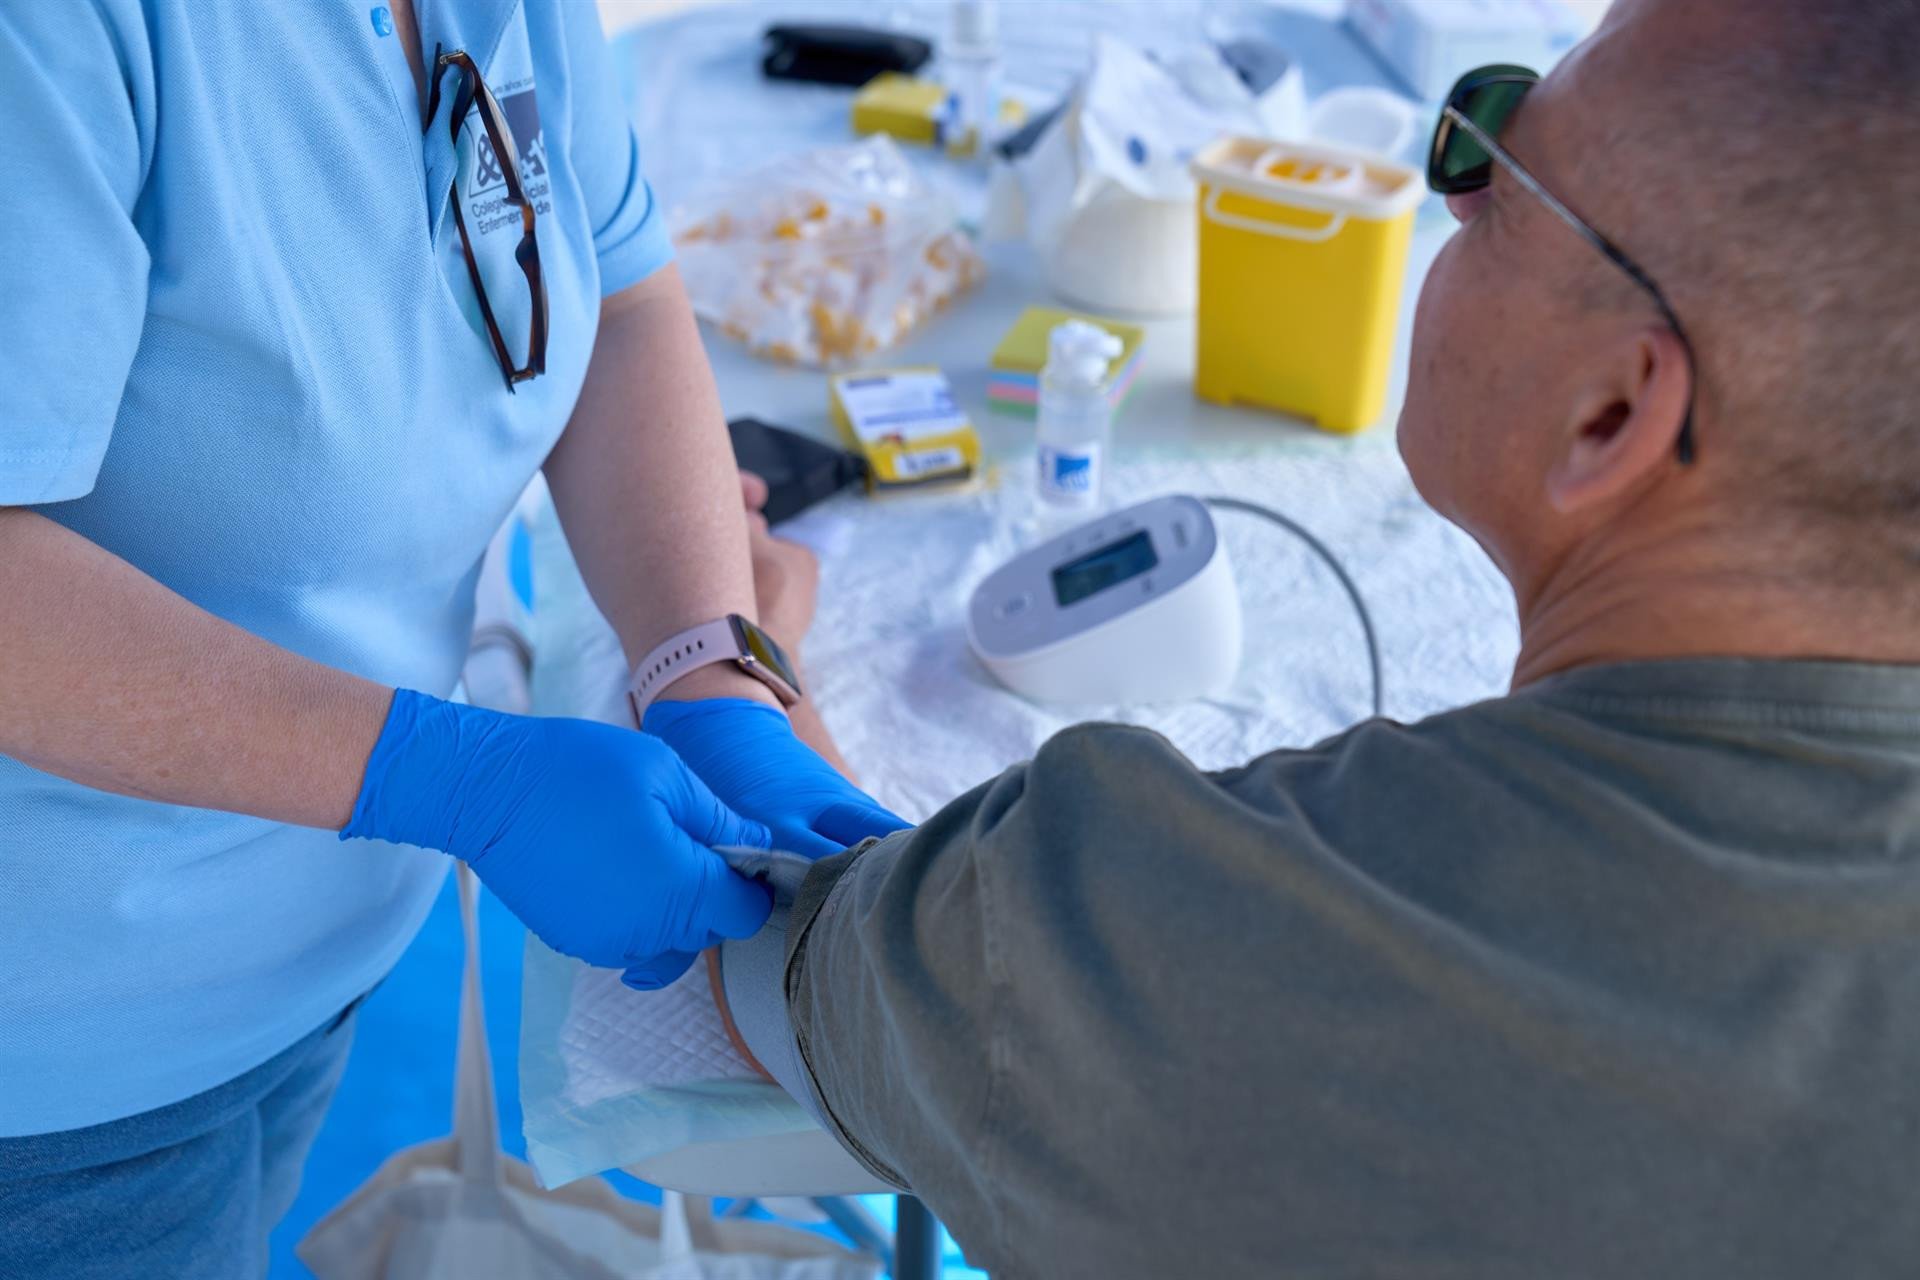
(471, 93)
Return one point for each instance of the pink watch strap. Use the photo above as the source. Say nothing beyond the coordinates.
(700, 646)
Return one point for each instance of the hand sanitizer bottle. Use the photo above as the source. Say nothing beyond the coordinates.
(1076, 417)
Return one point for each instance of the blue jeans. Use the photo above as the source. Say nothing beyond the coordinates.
(189, 1190)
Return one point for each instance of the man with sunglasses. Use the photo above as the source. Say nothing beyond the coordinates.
(1615, 976)
(296, 300)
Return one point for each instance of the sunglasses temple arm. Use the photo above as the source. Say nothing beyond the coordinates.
(1604, 246)
(1493, 148)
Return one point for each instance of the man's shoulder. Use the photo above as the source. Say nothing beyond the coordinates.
(1126, 765)
(1480, 737)
(1477, 789)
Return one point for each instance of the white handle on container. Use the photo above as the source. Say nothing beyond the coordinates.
(1308, 235)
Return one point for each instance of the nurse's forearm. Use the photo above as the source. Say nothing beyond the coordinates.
(109, 679)
(645, 484)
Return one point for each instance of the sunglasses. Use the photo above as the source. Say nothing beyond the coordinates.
(472, 91)
(1466, 147)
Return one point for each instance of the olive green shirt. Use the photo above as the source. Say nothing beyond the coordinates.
(1618, 976)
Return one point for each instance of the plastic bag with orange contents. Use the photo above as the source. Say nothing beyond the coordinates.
(826, 258)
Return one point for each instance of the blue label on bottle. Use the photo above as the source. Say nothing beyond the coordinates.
(1069, 472)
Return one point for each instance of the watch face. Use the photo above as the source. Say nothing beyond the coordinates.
(766, 652)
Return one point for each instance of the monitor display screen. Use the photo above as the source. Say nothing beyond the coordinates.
(1111, 565)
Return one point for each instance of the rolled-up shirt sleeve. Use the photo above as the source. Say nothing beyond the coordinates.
(629, 227)
(970, 1006)
(76, 134)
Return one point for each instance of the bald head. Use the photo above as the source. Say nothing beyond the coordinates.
(1768, 160)
(1760, 159)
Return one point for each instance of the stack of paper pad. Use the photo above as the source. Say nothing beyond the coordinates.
(1013, 382)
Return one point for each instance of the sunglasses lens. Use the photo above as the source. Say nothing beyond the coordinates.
(1459, 162)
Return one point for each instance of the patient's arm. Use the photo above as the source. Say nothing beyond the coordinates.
(786, 579)
(980, 1008)
(1107, 1007)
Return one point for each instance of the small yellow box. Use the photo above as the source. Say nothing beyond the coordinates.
(902, 107)
(1303, 257)
(921, 111)
(905, 423)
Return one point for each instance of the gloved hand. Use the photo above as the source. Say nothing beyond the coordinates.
(598, 838)
(747, 752)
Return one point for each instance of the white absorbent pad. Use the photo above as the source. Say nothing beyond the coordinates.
(610, 1076)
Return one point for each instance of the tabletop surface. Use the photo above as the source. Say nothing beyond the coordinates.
(887, 657)
(703, 113)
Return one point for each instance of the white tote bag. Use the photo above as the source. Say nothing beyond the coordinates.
(459, 1208)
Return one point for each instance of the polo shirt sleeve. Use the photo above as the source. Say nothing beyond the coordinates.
(76, 94)
(629, 227)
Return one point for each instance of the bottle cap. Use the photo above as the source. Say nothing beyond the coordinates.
(975, 23)
(1080, 352)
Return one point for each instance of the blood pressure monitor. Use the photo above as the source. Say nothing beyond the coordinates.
(1136, 606)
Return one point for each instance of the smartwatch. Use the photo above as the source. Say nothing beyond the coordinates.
(730, 639)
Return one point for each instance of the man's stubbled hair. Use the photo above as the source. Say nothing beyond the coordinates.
(1780, 198)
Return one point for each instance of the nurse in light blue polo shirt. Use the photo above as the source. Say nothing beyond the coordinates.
(259, 416)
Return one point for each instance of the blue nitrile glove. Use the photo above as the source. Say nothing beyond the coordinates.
(598, 838)
(746, 751)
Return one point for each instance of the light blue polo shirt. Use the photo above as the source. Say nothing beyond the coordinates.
(238, 349)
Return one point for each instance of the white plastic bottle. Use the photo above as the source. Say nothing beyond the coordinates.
(1076, 417)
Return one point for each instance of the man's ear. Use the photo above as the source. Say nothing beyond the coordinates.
(1627, 428)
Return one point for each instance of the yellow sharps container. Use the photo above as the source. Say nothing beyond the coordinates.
(1303, 254)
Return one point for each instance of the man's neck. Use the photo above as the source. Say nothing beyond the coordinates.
(1705, 594)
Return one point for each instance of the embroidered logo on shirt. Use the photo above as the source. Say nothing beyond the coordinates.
(486, 190)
